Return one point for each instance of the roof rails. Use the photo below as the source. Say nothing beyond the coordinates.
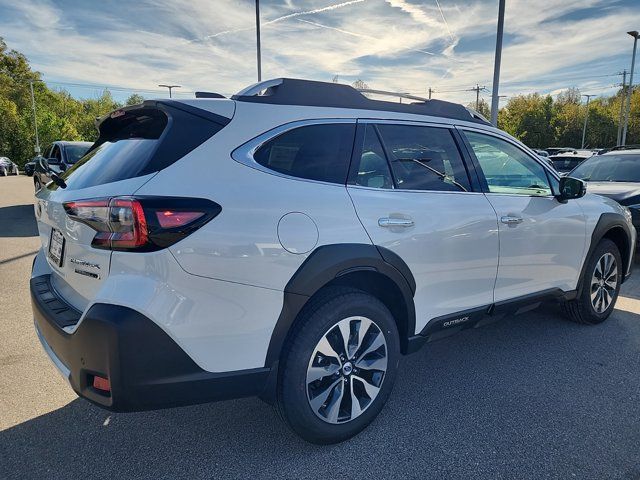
(625, 147)
(291, 91)
(209, 95)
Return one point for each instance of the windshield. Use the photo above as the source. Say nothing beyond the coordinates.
(609, 168)
(75, 152)
(564, 164)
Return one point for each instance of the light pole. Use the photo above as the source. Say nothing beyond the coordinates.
(623, 98)
(170, 87)
(586, 118)
(635, 36)
(259, 59)
(496, 65)
(35, 121)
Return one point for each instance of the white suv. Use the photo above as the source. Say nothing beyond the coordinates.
(293, 241)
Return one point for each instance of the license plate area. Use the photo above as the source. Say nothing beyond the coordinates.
(56, 247)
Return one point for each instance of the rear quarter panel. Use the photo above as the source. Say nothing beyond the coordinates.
(242, 244)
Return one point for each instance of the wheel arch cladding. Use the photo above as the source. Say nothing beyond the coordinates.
(614, 227)
(372, 269)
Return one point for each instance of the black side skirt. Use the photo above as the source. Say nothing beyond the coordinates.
(441, 327)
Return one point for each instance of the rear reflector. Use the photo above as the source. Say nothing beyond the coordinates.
(171, 219)
(100, 383)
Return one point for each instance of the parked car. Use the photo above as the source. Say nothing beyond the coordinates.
(567, 161)
(542, 153)
(615, 174)
(557, 150)
(30, 166)
(294, 241)
(61, 156)
(7, 167)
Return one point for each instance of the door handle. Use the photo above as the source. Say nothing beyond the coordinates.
(395, 222)
(511, 220)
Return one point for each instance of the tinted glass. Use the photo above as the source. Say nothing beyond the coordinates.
(373, 169)
(55, 153)
(315, 152)
(508, 169)
(424, 158)
(609, 168)
(75, 152)
(125, 146)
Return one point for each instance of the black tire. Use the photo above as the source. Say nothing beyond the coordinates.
(316, 320)
(581, 310)
(37, 185)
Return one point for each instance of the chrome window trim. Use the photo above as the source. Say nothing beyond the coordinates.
(245, 152)
(401, 190)
(415, 123)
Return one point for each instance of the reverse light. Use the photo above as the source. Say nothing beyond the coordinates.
(141, 223)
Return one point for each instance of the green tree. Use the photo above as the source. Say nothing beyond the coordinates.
(134, 99)
(528, 117)
(483, 109)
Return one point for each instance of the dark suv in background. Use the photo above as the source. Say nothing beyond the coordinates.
(60, 156)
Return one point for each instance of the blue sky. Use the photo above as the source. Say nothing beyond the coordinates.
(399, 45)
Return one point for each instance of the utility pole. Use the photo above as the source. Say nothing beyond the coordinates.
(430, 92)
(635, 36)
(477, 89)
(496, 65)
(170, 87)
(35, 121)
(623, 97)
(586, 118)
(258, 40)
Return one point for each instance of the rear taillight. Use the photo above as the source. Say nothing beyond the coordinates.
(141, 223)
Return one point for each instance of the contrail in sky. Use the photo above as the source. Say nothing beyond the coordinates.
(354, 34)
(335, 6)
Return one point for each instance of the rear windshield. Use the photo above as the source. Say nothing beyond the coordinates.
(564, 164)
(139, 141)
(75, 152)
(609, 168)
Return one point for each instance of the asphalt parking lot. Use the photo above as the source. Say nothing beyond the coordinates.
(533, 396)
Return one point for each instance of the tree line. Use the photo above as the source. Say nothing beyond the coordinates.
(539, 121)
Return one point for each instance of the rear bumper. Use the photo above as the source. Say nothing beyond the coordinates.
(145, 367)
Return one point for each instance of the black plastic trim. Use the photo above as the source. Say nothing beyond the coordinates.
(606, 223)
(146, 368)
(446, 325)
(327, 263)
(198, 112)
(293, 91)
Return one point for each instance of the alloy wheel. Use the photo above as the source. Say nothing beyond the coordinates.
(346, 370)
(604, 282)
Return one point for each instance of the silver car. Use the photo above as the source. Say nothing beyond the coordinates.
(7, 167)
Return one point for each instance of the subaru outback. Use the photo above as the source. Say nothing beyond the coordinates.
(293, 241)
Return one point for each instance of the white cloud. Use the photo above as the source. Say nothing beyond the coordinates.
(393, 44)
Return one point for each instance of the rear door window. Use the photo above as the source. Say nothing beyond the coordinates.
(314, 152)
(424, 158)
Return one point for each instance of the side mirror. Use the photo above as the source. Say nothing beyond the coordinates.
(571, 188)
(55, 165)
(42, 165)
